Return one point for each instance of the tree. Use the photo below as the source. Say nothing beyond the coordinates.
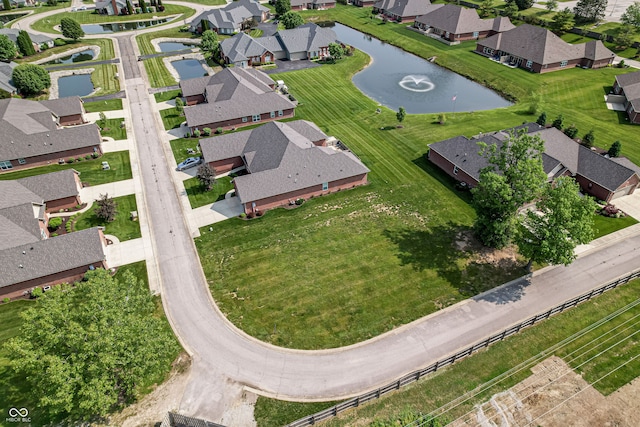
(571, 131)
(25, 45)
(510, 9)
(336, 50)
(130, 9)
(209, 43)
(542, 119)
(615, 149)
(8, 49)
(52, 2)
(590, 10)
(563, 21)
(282, 7)
(551, 5)
(6, 4)
(401, 114)
(86, 350)
(291, 20)
(106, 208)
(562, 220)
(524, 4)
(485, 7)
(179, 105)
(624, 38)
(631, 16)
(557, 122)
(515, 176)
(206, 175)
(71, 29)
(143, 5)
(588, 139)
(30, 79)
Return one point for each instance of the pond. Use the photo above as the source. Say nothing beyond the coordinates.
(189, 68)
(173, 46)
(76, 85)
(10, 17)
(396, 78)
(85, 55)
(116, 27)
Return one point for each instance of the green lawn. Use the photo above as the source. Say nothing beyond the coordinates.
(605, 225)
(106, 50)
(180, 146)
(207, 2)
(171, 119)
(166, 96)
(144, 40)
(526, 348)
(158, 74)
(90, 17)
(123, 227)
(91, 172)
(198, 197)
(108, 105)
(104, 79)
(113, 129)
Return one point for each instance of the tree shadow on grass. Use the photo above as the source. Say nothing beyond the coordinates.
(423, 163)
(451, 251)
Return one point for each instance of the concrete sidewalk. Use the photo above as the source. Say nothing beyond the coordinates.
(113, 114)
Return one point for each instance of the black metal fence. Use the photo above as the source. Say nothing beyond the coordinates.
(416, 375)
(177, 420)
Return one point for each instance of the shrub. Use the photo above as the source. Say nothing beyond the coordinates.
(206, 131)
(614, 150)
(187, 135)
(299, 201)
(53, 234)
(243, 215)
(610, 210)
(588, 139)
(620, 64)
(219, 130)
(557, 122)
(71, 160)
(94, 155)
(6, 300)
(55, 222)
(87, 157)
(79, 159)
(571, 131)
(442, 118)
(59, 42)
(250, 215)
(196, 133)
(542, 119)
(258, 213)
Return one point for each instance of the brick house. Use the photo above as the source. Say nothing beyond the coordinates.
(111, 7)
(232, 98)
(285, 162)
(540, 51)
(312, 4)
(364, 3)
(230, 19)
(58, 190)
(308, 41)
(38, 133)
(455, 24)
(401, 10)
(601, 177)
(628, 85)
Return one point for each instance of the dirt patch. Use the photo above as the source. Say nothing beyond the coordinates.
(557, 396)
(465, 241)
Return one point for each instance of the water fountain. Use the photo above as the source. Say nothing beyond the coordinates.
(416, 83)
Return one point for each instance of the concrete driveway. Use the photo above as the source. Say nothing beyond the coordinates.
(629, 204)
(114, 189)
(219, 211)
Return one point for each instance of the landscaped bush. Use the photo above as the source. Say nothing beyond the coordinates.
(299, 201)
(571, 131)
(243, 215)
(95, 155)
(55, 222)
(59, 42)
(87, 157)
(196, 133)
(71, 160)
(611, 211)
(259, 213)
(219, 131)
(250, 215)
(206, 131)
(6, 300)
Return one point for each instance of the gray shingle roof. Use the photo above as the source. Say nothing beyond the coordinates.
(6, 71)
(45, 257)
(234, 93)
(406, 8)
(19, 225)
(27, 129)
(459, 20)
(64, 106)
(232, 15)
(12, 193)
(306, 38)
(12, 33)
(630, 84)
(241, 46)
(52, 186)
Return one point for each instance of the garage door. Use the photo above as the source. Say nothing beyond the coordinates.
(622, 192)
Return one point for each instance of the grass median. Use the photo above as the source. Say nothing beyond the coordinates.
(123, 227)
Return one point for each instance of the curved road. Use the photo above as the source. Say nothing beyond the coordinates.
(224, 357)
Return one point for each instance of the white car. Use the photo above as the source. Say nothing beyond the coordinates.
(189, 163)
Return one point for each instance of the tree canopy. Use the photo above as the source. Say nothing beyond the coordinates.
(87, 350)
(209, 43)
(291, 20)
(562, 21)
(590, 10)
(631, 16)
(206, 175)
(25, 45)
(282, 7)
(400, 115)
(71, 29)
(615, 149)
(8, 49)
(30, 79)
(106, 208)
(336, 51)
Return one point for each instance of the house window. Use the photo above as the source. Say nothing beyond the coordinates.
(22, 161)
(325, 186)
(564, 63)
(244, 120)
(529, 63)
(476, 34)
(280, 113)
(267, 58)
(256, 117)
(5, 165)
(272, 114)
(455, 170)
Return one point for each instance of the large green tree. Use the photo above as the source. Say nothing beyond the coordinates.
(291, 20)
(563, 219)
(590, 10)
(25, 45)
(515, 176)
(209, 43)
(282, 7)
(71, 29)
(562, 21)
(8, 49)
(87, 350)
(6, 5)
(30, 79)
(631, 16)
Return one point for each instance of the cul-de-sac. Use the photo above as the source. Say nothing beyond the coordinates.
(264, 213)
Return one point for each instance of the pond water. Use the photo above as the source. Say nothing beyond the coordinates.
(85, 55)
(189, 68)
(173, 46)
(10, 17)
(116, 27)
(76, 85)
(396, 78)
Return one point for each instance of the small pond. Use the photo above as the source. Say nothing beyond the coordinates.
(116, 27)
(189, 68)
(173, 46)
(85, 55)
(396, 78)
(76, 85)
(10, 17)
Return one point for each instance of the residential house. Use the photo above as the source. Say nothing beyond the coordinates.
(602, 177)
(284, 162)
(36, 133)
(231, 18)
(308, 41)
(455, 24)
(628, 85)
(538, 50)
(36, 39)
(312, 4)
(58, 190)
(111, 7)
(232, 98)
(6, 77)
(364, 3)
(401, 10)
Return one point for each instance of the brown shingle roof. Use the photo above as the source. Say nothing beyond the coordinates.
(52, 186)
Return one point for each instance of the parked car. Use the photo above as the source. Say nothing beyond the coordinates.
(189, 163)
